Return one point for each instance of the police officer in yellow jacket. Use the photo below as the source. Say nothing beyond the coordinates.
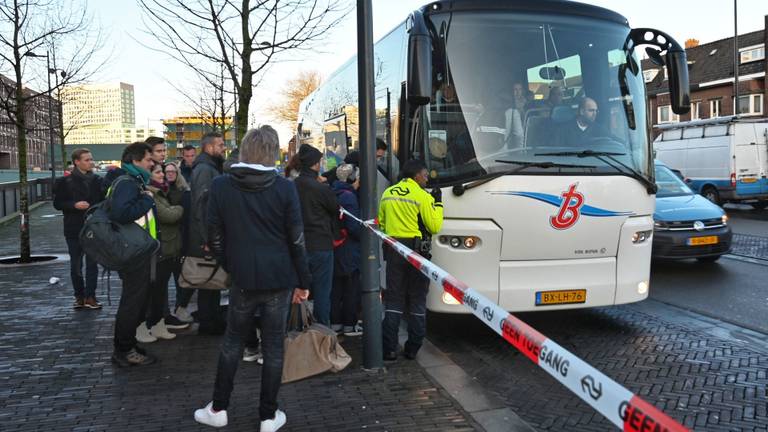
(411, 215)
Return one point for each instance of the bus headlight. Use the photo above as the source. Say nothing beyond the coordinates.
(470, 242)
(642, 287)
(641, 236)
(449, 300)
(455, 242)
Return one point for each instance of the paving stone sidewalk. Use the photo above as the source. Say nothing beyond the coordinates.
(56, 375)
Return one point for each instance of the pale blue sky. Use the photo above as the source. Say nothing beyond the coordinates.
(706, 20)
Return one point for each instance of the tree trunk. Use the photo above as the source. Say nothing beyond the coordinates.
(21, 141)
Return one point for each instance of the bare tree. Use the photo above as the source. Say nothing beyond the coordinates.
(245, 36)
(286, 108)
(27, 29)
(212, 103)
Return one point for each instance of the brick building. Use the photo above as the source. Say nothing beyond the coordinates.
(38, 133)
(711, 74)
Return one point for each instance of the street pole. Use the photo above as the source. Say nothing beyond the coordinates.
(370, 301)
(735, 60)
(50, 119)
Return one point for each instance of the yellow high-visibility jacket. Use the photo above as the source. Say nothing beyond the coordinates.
(400, 207)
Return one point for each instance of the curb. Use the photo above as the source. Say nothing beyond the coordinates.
(13, 216)
(487, 409)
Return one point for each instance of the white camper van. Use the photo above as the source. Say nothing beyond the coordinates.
(724, 158)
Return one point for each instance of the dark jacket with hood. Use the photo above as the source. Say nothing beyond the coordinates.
(256, 231)
(204, 170)
(127, 202)
(318, 210)
(346, 257)
(71, 189)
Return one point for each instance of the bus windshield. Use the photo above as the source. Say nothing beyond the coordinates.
(531, 88)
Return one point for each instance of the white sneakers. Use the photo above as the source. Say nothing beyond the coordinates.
(274, 424)
(143, 335)
(206, 416)
(182, 314)
(160, 331)
(253, 355)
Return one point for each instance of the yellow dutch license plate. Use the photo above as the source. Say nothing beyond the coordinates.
(700, 241)
(546, 298)
(748, 180)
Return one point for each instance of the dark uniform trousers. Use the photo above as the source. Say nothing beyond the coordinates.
(406, 294)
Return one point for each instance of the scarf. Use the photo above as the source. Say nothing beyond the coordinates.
(162, 186)
(135, 171)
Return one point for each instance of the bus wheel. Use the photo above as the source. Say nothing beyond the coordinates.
(711, 194)
(760, 205)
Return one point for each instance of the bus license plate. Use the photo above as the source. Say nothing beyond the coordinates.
(546, 298)
(700, 241)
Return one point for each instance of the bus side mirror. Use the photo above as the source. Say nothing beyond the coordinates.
(419, 61)
(679, 88)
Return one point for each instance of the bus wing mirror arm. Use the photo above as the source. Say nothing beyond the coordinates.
(419, 60)
(675, 59)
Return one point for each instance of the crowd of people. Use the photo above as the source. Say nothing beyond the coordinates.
(280, 238)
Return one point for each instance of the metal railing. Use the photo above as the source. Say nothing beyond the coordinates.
(40, 189)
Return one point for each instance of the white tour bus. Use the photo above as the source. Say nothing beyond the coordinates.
(487, 94)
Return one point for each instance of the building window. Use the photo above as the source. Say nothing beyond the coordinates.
(714, 108)
(751, 104)
(752, 53)
(650, 74)
(695, 110)
(666, 115)
(666, 77)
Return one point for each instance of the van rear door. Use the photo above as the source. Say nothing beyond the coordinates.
(748, 160)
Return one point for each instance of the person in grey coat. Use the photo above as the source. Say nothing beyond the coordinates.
(208, 165)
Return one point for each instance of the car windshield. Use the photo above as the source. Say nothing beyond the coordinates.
(520, 87)
(670, 184)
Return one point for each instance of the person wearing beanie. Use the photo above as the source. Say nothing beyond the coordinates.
(319, 210)
(345, 297)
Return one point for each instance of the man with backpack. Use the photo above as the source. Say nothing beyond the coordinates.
(131, 202)
(73, 195)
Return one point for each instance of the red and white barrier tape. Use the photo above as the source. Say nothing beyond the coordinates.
(609, 398)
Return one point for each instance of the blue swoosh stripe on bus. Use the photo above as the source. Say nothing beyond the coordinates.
(557, 201)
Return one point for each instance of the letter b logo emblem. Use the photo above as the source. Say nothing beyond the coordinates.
(570, 209)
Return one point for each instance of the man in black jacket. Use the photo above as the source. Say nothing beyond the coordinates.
(73, 195)
(256, 233)
(318, 209)
(207, 166)
(131, 202)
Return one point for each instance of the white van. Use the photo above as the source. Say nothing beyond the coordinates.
(724, 158)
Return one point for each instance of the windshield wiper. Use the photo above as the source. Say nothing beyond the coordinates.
(620, 166)
(459, 189)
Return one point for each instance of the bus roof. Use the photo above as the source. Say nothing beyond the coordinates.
(559, 7)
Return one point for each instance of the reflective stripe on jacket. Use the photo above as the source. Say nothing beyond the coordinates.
(401, 206)
(146, 221)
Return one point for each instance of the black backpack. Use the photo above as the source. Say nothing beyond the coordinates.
(114, 245)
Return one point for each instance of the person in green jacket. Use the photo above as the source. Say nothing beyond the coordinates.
(411, 215)
(167, 197)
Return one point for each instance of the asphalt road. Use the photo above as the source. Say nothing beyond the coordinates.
(731, 290)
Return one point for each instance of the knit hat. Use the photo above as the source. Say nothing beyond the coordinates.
(345, 172)
(353, 158)
(309, 155)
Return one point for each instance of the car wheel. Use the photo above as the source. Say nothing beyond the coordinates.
(760, 205)
(709, 259)
(711, 194)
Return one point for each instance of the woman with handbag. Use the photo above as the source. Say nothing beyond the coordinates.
(169, 227)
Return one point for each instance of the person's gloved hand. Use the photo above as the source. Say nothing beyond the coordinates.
(437, 194)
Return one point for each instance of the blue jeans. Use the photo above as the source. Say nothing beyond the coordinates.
(273, 306)
(87, 288)
(321, 268)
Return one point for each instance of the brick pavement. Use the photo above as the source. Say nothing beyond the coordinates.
(707, 381)
(751, 246)
(56, 375)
